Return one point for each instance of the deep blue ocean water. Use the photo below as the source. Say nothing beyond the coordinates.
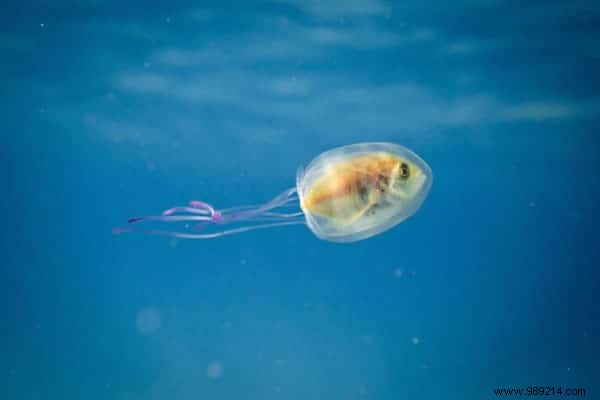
(117, 109)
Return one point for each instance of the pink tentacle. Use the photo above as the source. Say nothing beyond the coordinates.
(190, 210)
(199, 211)
(202, 205)
(169, 218)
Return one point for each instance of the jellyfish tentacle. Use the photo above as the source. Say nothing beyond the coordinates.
(202, 205)
(183, 235)
(284, 215)
(257, 220)
(183, 209)
(279, 200)
(169, 218)
(270, 214)
(284, 199)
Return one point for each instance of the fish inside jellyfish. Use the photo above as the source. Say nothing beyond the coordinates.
(346, 194)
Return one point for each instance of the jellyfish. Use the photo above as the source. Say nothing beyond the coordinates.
(346, 194)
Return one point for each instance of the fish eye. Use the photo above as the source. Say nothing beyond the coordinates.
(404, 171)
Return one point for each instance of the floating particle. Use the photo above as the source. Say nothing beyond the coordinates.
(214, 370)
(362, 389)
(148, 321)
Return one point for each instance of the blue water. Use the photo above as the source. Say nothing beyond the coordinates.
(111, 110)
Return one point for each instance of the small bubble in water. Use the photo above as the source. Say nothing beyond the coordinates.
(226, 324)
(214, 370)
(416, 340)
(362, 389)
(150, 166)
(148, 321)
